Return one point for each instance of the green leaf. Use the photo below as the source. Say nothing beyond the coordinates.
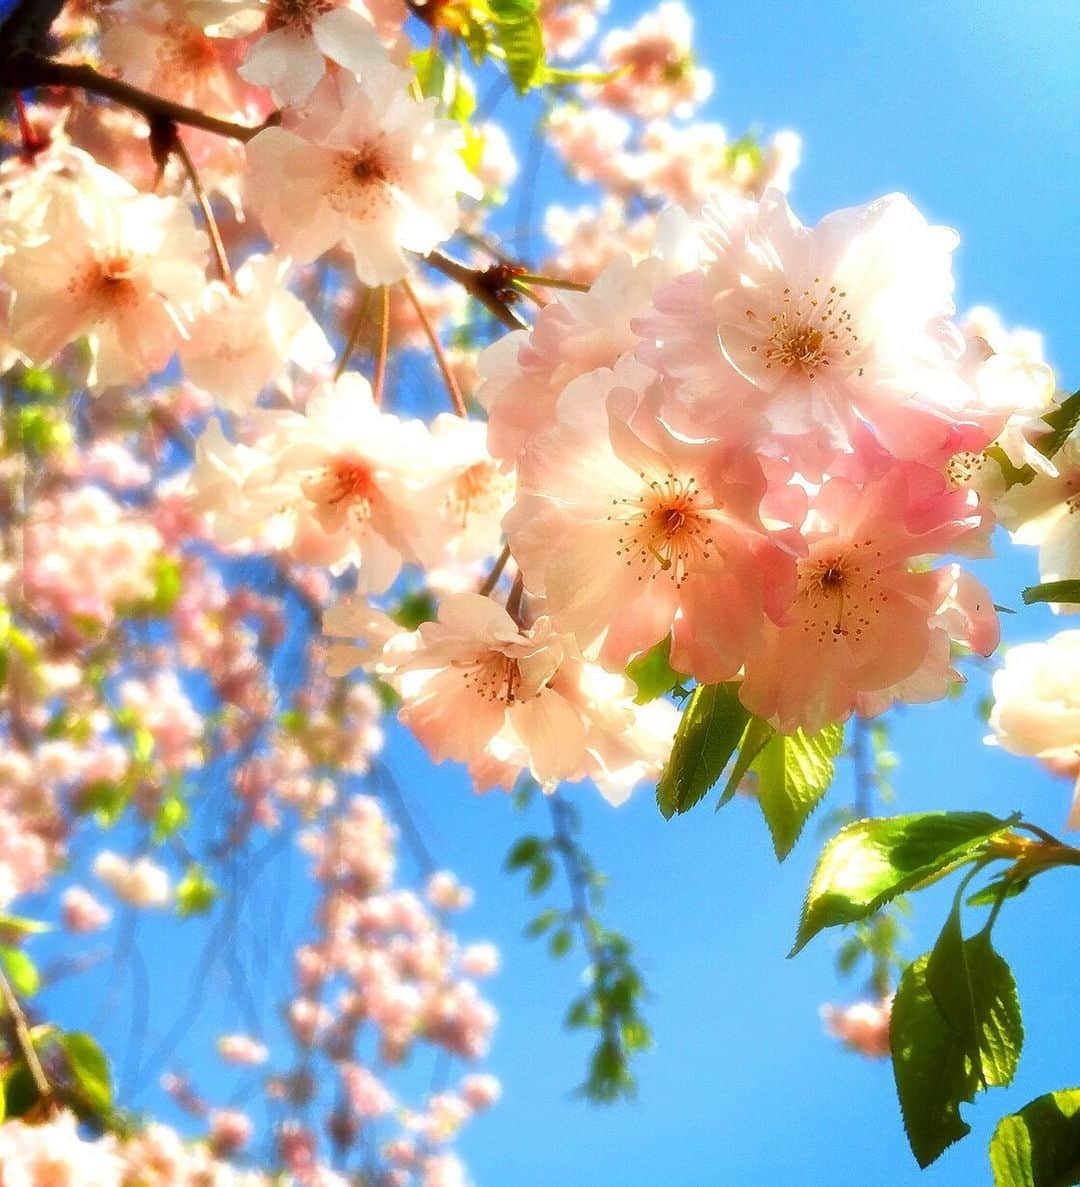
(89, 1069)
(1013, 475)
(1067, 592)
(1062, 420)
(523, 853)
(653, 673)
(754, 739)
(196, 893)
(871, 861)
(16, 927)
(21, 971)
(955, 1027)
(1040, 1145)
(932, 1073)
(794, 771)
(561, 942)
(709, 730)
(973, 989)
(172, 814)
(413, 609)
(516, 30)
(430, 67)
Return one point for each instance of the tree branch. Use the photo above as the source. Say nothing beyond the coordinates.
(30, 70)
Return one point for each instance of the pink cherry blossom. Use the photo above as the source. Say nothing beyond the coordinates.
(241, 1049)
(368, 166)
(863, 1026)
(239, 342)
(82, 913)
(118, 269)
(632, 533)
(791, 335)
(864, 617)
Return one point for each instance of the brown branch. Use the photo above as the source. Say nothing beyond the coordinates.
(384, 347)
(436, 346)
(485, 285)
(23, 70)
(225, 272)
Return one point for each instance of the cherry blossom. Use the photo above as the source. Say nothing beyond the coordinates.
(368, 166)
(790, 336)
(1036, 707)
(241, 341)
(862, 1026)
(864, 617)
(631, 533)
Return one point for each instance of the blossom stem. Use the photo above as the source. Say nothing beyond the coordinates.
(212, 229)
(362, 302)
(31, 70)
(31, 141)
(436, 346)
(492, 578)
(513, 600)
(24, 1038)
(473, 282)
(384, 346)
(553, 282)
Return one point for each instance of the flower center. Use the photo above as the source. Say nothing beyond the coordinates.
(494, 677)
(964, 467)
(362, 179)
(476, 491)
(344, 487)
(811, 330)
(665, 528)
(297, 14)
(839, 592)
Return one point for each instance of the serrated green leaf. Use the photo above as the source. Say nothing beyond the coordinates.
(871, 861)
(89, 1070)
(1065, 592)
(956, 1027)
(710, 728)
(755, 737)
(516, 30)
(932, 1073)
(1040, 1145)
(974, 990)
(21, 971)
(794, 772)
(653, 674)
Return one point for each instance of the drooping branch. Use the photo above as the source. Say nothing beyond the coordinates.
(22, 70)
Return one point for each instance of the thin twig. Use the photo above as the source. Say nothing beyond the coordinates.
(24, 1039)
(362, 302)
(181, 150)
(492, 578)
(436, 346)
(384, 347)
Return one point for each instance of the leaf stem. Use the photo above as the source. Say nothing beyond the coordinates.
(436, 346)
(24, 1038)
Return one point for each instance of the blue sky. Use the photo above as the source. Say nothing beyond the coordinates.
(970, 109)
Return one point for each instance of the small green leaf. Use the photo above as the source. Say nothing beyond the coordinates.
(709, 730)
(195, 893)
(653, 673)
(543, 922)
(430, 67)
(542, 872)
(21, 971)
(1065, 592)
(1013, 475)
(89, 1069)
(1040, 1145)
(871, 861)
(794, 772)
(517, 32)
(15, 927)
(561, 942)
(1062, 420)
(414, 609)
(172, 814)
(523, 853)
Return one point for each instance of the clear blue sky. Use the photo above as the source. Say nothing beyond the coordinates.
(970, 107)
